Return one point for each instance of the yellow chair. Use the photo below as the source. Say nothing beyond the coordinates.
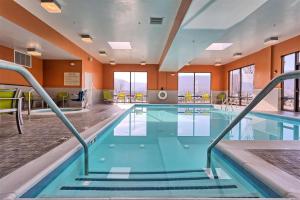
(138, 96)
(62, 97)
(188, 97)
(11, 102)
(205, 97)
(121, 97)
(107, 96)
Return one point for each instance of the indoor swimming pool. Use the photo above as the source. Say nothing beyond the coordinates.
(160, 151)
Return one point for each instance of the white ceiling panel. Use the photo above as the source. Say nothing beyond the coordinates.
(222, 14)
(113, 20)
(263, 20)
(15, 37)
(275, 18)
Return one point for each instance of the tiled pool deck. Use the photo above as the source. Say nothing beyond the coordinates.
(41, 134)
(286, 160)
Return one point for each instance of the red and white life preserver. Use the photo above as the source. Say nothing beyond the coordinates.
(162, 95)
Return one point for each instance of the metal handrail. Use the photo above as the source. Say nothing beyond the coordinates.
(265, 91)
(28, 76)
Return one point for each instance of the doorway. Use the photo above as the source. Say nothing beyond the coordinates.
(290, 88)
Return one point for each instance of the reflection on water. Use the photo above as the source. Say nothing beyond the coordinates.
(203, 122)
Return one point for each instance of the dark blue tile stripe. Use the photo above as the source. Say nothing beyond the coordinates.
(153, 172)
(145, 179)
(202, 187)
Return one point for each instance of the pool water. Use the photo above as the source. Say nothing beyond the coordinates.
(160, 151)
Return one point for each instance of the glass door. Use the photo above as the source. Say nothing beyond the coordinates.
(290, 88)
(186, 87)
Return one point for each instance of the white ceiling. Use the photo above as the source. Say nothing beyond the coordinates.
(245, 23)
(113, 20)
(15, 37)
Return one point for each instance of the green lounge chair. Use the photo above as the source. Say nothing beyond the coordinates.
(107, 96)
(62, 97)
(11, 102)
(221, 97)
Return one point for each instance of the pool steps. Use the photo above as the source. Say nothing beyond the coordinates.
(162, 182)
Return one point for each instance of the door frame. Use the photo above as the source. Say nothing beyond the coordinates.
(296, 87)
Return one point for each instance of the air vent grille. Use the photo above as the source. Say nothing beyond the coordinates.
(22, 59)
(102, 52)
(156, 20)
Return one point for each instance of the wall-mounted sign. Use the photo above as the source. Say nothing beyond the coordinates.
(72, 79)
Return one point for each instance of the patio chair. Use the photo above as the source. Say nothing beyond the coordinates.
(188, 97)
(108, 96)
(205, 97)
(121, 96)
(11, 102)
(138, 96)
(30, 99)
(62, 97)
(221, 97)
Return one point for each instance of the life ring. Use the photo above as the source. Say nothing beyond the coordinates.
(162, 95)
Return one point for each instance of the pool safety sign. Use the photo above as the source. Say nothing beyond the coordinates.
(71, 79)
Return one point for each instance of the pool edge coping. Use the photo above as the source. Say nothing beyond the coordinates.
(275, 178)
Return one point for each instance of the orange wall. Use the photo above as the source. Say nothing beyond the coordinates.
(54, 72)
(25, 19)
(10, 77)
(108, 74)
(96, 68)
(289, 46)
(267, 62)
(157, 79)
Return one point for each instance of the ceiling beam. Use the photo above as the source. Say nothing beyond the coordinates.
(183, 8)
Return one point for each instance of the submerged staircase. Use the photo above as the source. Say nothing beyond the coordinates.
(186, 183)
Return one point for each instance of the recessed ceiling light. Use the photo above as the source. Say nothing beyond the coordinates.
(102, 53)
(271, 40)
(143, 63)
(112, 62)
(217, 64)
(86, 38)
(218, 46)
(33, 52)
(189, 63)
(120, 45)
(51, 6)
(237, 55)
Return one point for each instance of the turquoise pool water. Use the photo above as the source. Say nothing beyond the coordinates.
(160, 151)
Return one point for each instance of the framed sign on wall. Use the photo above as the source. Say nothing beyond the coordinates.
(71, 79)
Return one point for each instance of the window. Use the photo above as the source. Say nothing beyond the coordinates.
(130, 86)
(290, 88)
(241, 85)
(194, 87)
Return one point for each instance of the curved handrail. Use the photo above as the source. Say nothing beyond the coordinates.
(265, 91)
(28, 76)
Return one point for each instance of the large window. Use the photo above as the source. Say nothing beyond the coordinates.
(290, 88)
(194, 87)
(130, 86)
(241, 85)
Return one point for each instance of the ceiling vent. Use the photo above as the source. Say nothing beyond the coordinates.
(22, 59)
(156, 20)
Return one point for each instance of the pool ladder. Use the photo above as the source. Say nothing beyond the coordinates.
(265, 91)
(39, 89)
